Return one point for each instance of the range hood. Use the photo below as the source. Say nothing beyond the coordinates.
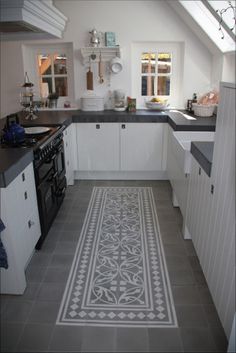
(30, 19)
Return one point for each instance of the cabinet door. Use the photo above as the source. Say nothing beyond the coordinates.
(98, 146)
(142, 146)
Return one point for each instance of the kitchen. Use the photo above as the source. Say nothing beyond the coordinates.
(126, 149)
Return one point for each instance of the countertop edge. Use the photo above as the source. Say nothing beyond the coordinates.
(203, 158)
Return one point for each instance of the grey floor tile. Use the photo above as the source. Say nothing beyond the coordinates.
(212, 315)
(50, 291)
(186, 295)
(35, 274)
(132, 340)
(61, 260)
(66, 339)
(194, 262)
(56, 275)
(73, 226)
(30, 292)
(190, 248)
(40, 259)
(164, 340)
(69, 235)
(175, 250)
(44, 312)
(220, 338)
(191, 316)
(65, 247)
(17, 311)
(99, 339)
(181, 278)
(200, 278)
(48, 246)
(35, 338)
(178, 263)
(198, 340)
(10, 335)
(205, 295)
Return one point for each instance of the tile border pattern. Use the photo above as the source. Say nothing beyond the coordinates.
(119, 275)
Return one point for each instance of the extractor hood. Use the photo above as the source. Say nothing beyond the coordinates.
(30, 19)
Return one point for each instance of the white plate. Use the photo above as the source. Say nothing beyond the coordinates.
(35, 130)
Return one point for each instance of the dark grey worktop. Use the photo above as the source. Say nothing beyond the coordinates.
(13, 161)
(203, 153)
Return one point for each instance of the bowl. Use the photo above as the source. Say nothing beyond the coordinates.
(156, 105)
(116, 65)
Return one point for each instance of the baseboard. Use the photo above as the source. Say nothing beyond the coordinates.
(156, 175)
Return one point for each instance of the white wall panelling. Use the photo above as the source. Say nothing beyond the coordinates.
(211, 217)
(70, 148)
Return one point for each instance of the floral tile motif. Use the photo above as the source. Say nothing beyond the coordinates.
(119, 276)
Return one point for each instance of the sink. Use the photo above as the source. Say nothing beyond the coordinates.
(186, 116)
(182, 143)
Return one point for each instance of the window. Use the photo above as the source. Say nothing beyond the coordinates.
(52, 70)
(157, 70)
(156, 74)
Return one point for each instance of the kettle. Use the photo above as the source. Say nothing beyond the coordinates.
(13, 132)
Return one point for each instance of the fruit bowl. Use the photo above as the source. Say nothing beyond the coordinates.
(157, 104)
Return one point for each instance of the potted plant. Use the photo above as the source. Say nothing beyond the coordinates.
(52, 99)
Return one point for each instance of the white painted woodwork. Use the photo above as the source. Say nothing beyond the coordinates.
(178, 179)
(36, 16)
(211, 217)
(121, 150)
(19, 212)
(69, 137)
(107, 53)
(141, 146)
(98, 146)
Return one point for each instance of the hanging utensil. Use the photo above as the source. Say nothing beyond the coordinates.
(89, 77)
(100, 69)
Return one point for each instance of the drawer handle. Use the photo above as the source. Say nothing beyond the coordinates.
(30, 224)
(199, 171)
(212, 189)
(26, 195)
(66, 144)
(97, 126)
(123, 126)
(23, 176)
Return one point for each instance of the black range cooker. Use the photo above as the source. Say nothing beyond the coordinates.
(49, 169)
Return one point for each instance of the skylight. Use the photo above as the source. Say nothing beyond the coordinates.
(209, 23)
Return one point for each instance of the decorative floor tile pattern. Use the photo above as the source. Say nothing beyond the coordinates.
(119, 276)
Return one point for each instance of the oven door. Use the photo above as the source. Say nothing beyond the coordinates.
(48, 205)
(59, 163)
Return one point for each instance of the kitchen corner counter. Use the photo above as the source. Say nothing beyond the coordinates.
(203, 153)
(14, 160)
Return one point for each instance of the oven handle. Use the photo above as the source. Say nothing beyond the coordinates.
(49, 160)
(53, 176)
(61, 192)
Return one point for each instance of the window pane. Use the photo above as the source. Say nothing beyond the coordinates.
(48, 80)
(61, 86)
(60, 62)
(148, 61)
(44, 63)
(163, 86)
(147, 86)
(164, 63)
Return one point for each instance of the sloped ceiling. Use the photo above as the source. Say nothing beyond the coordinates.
(194, 26)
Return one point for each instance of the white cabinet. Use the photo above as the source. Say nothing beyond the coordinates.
(98, 146)
(69, 137)
(121, 150)
(19, 212)
(141, 146)
(178, 179)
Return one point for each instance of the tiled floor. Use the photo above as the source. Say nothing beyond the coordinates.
(28, 321)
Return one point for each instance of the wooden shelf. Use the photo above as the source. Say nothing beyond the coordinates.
(107, 53)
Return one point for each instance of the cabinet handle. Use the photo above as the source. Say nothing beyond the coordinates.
(23, 176)
(199, 171)
(97, 126)
(68, 162)
(26, 195)
(30, 224)
(212, 189)
(66, 144)
(123, 126)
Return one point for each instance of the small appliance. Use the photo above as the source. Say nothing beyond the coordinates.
(13, 132)
(119, 100)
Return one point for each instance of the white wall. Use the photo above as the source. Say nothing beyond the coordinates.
(132, 21)
(228, 74)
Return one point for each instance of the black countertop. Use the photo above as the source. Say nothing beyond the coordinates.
(203, 153)
(13, 161)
